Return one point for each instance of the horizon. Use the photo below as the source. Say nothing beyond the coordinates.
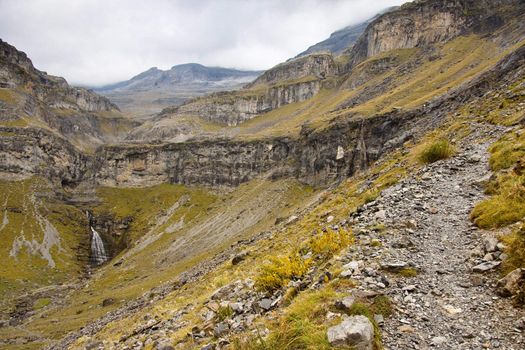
(97, 43)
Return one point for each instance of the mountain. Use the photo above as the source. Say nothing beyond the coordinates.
(342, 39)
(154, 89)
(32, 98)
(366, 200)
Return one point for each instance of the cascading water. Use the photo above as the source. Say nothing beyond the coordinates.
(98, 252)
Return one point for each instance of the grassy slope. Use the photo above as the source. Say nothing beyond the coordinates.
(212, 222)
(451, 65)
(24, 216)
(285, 240)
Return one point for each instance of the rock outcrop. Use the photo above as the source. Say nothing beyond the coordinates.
(232, 108)
(425, 23)
(17, 71)
(319, 66)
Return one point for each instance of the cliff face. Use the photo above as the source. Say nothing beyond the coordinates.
(424, 23)
(319, 66)
(233, 108)
(28, 152)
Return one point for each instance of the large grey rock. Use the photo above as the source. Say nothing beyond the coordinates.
(354, 331)
(510, 284)
(490, 244)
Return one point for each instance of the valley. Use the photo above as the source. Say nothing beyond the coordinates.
(369, 197)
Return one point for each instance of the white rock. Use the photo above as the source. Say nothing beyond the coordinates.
(490, 244)
(340, 153)
(354, 331)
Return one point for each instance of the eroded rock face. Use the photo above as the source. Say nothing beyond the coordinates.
(424, 23)
(232, 108)
(16, 69)
(316, 158)
(28, 152)
(315, 65)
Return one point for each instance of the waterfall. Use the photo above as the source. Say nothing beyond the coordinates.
(98, 252)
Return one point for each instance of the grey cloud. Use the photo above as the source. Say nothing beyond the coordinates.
(95, 42)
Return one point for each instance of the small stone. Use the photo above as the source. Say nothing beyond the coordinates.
(406, 329)
(108, 301)
(94, 345)
(436, 341)
(345, 304)
(380, 320)
(265, 304)
(488, 257)
(410, 288)
(237, 307)
(239, 258)
(355, 331)
(221, 329)
(380, 215)
(394, 266)
(329, 219)
(165, 347)
(451, 310)
(490, 244)
(486, 266)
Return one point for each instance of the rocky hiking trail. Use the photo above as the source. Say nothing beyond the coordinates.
(451, 303)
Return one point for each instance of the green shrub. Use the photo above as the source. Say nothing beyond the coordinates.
(435, 151)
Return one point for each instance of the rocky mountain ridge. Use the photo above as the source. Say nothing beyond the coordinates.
(304, 192)
(151, 91)
(341, 40)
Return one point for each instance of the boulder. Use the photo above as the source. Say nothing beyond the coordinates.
(512, 283)
(354, 331)
(490, 244)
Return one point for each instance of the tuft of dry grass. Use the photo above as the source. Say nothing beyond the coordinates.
(437, 150)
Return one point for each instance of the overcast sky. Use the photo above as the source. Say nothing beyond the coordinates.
(95, 42)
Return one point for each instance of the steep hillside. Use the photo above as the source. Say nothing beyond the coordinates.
(149, 92)
(334, 202)
(30, 98)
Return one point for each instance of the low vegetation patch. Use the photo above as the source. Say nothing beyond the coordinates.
(280, 270)
(303, 325)
(328, 243)
(507, 202)
(437, 150)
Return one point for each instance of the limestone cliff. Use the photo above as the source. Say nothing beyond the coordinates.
(424, 23)
(232, 108)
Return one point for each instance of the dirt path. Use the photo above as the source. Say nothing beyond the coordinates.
(447, 305)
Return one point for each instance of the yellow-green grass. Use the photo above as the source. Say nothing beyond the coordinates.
(437, 150)
(302, 326)
(8, 96)
(506, 205)
(23, 216)
(153, 262)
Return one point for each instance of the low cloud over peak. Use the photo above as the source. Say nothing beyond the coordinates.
(95, 42)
